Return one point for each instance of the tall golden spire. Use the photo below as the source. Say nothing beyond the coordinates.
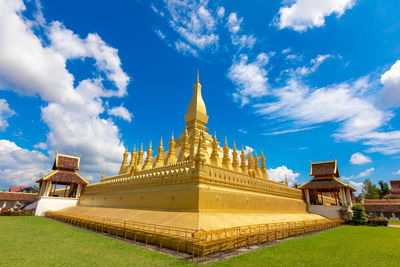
(250, 164)
(160, 159)
(149, 160)
(196, 114)
(102, 176)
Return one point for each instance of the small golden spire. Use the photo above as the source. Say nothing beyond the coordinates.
(133, 160)
(124, 165)
(197, 76)
(149, 160)
(160, 159)
(235, 160)
(250, 165)
(214, 158)
(102, 176)
(185, 150)
(171, 157)
(243, 166)
(264, 171)
(286, 182)
(226, 161)
(256, 166)
(139, 161)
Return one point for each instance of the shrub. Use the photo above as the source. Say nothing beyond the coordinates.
(359, 216)
(378, 222)
(16, 212)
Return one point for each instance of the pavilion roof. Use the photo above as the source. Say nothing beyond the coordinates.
(395, 185)
(324, 169)
(64, 177)
(329, 184)
(66, 162)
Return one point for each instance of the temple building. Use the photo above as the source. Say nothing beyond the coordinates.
(195, 184)
(64, 174)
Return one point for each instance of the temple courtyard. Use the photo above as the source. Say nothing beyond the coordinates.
(51, 243)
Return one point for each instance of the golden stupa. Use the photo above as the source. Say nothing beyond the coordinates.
(196, 184)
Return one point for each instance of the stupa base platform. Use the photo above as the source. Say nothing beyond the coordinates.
(175, 230)
(200, 221)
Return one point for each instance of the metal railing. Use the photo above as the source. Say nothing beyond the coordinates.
(197, 243)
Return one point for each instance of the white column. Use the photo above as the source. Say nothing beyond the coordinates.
(344, 200)
(78, 191)
(48, 188)
(4, 204)
(307, 193)
(348, 195)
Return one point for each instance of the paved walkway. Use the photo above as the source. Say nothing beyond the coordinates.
(393, 225)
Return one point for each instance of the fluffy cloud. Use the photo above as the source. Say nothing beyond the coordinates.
(341, 103)
(359, 158)
(5, 113)
(20, 166)
(303, 14)
(234, 26)
(398, 172)
(195, 24)
(234, 23)
(29, 66)
(278, 175)
(250, 78)
(120, 112)
(390, 95)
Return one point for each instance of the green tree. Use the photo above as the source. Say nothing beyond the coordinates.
(384, 189)
(369, 190)
(359, 216)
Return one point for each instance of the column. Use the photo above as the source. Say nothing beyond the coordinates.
(78, 191)
(307, 193)
(348, 195)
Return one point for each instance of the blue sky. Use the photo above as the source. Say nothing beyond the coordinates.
(302, 80)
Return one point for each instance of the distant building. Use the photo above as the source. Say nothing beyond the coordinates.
(15, 198)
(387, 208)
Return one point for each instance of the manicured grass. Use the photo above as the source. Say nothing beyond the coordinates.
(394, 222)
(35, 241)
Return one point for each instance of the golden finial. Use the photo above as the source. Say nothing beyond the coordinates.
(160, 159)
(214, 158)
(286, 182)
(102, 176)
(171, 157)
(226, 161)
(235, 161)
(161, 143)
(243, 166)
(263, 168)
(148, 163)
(197, 76)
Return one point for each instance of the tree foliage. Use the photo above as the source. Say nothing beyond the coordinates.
(359, 216)
(369, 190)
(384, 189)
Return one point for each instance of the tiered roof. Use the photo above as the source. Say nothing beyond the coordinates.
(65, 167)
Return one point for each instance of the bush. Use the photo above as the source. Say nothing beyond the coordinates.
(16, 212)
(378, 222)
(359, 216)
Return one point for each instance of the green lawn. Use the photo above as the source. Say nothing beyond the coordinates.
(35, 241)
(394, 222)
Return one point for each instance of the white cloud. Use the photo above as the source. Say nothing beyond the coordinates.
(390, 95)
(20, 166)
(278, 175)
(366, 172)
(41, 145)
(234, 23)
(72, 113)
(398, 172)
(195, 23)
(5, 113)
(340, 103)
(243, 131)
(120, 112)
(160, 34)
(185, 48)
(387, 143)
(221, 12)
(315, 63)
(357, 186)
(359, 158)
(250, 78)
(303, 14)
